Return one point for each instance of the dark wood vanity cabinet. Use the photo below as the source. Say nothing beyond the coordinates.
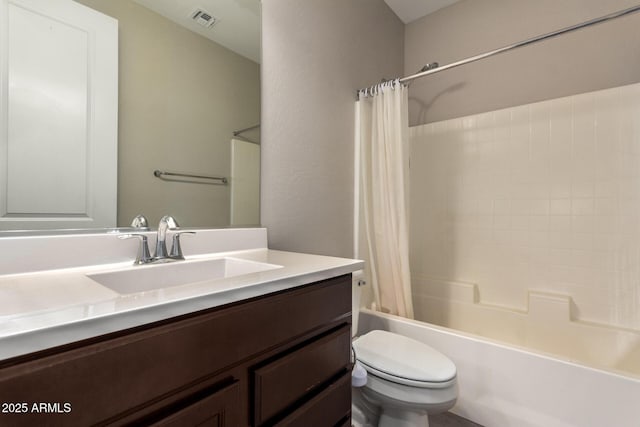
(278, 360)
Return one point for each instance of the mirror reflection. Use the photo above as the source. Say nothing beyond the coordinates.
(188, 110)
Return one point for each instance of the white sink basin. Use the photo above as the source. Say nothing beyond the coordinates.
(158, 276)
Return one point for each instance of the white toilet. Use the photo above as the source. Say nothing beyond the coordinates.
(406, 380)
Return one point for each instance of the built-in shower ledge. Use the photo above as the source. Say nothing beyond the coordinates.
(547, 325)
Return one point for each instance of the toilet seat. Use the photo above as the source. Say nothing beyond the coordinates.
(404, 361)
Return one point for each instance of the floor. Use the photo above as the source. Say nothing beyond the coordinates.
(441, 420)
(448, 419)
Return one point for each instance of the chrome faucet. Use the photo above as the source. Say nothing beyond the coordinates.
(161, 255)
(166, 223)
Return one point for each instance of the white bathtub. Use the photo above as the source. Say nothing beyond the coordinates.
(503, 386)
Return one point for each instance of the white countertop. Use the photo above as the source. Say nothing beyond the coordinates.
(45, 309)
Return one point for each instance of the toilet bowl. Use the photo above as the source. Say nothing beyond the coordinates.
(407, 380)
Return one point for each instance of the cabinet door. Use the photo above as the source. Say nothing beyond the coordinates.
(58, 115)
(218, 409)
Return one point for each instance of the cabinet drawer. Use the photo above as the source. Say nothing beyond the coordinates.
(282, 384)
(332, 407)
(217, 409)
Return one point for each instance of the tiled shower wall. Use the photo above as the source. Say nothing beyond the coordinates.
(541, 197)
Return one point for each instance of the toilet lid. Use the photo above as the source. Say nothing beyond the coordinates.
(403, 360)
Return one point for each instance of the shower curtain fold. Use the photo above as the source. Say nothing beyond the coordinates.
(382, 120)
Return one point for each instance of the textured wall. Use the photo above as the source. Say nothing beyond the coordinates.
(540, 197)
(181, 97)
(316, 54)
(591, 59)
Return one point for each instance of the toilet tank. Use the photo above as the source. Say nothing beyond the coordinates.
(356, 295)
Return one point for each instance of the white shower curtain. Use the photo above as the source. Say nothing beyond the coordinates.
(382, 163)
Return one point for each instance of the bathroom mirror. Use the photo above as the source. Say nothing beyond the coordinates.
(188, 104)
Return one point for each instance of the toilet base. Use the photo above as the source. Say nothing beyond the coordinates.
(393, 417)
(397, 406)
(366, 413)
(363, 412)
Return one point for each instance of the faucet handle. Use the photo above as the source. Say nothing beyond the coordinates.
(176, 249)
(143, 257)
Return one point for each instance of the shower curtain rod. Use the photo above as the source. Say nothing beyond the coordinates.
(523, 43)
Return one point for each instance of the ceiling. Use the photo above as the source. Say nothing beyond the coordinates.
(411, 10)
(237, 27)
(238, 21)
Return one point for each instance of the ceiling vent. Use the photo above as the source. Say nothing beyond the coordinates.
(203, 18)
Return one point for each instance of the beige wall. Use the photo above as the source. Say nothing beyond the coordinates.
(181, 97)
(596, 58)
(316, 54)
